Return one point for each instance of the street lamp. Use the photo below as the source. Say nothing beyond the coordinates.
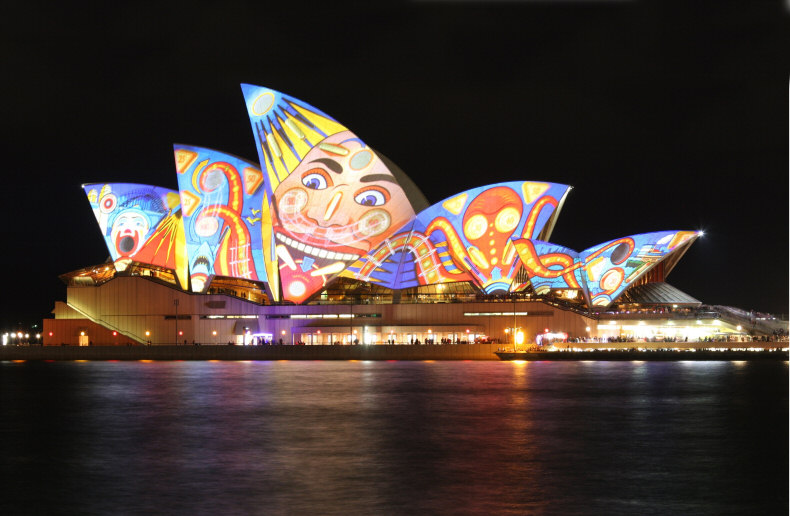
(514, 317)
(175, 303)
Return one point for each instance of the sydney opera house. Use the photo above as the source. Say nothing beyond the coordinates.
(325, 241)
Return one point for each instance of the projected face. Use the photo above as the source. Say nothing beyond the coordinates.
(488, 223)
(128, 232)
(340, 197)
(338, 203)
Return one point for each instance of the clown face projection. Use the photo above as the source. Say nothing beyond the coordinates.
(140, 223)
(128, 232)
(336, 205)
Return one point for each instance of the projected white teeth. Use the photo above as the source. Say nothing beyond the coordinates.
(315, 251)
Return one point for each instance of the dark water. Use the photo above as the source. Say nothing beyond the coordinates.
(394, 438)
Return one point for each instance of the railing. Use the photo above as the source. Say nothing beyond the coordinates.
(657, 315)
(105, 324)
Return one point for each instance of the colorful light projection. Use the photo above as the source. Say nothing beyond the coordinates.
(285, 130)
(324, 204)
(466, 237)
(226, 216)
(602, 272)
(550, 266)
(140, 223)
(333, 198)
(612, 266)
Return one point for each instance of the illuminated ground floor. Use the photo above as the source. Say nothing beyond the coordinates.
(130, 310)
(135, 310)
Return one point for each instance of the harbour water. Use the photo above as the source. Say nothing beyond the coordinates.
(365, 437)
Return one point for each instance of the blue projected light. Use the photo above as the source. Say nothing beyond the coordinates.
(226, 220)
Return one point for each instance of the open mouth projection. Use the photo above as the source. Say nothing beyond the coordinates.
(372, 223)
(201, 263)
(316, 252)
(127, 242)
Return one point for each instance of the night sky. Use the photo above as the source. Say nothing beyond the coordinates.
(660, 119)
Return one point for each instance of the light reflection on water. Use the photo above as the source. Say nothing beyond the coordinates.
(368, 437)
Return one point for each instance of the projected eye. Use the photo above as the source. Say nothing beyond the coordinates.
(371, 197)
(476, 227)
(507, 220)
(316, 179)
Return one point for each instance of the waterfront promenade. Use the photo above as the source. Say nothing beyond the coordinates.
(373, 352)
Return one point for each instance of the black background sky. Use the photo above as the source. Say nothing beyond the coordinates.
(660, 118)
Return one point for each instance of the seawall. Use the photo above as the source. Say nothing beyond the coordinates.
(378, 352)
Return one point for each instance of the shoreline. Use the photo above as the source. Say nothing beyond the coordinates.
(477, 352)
